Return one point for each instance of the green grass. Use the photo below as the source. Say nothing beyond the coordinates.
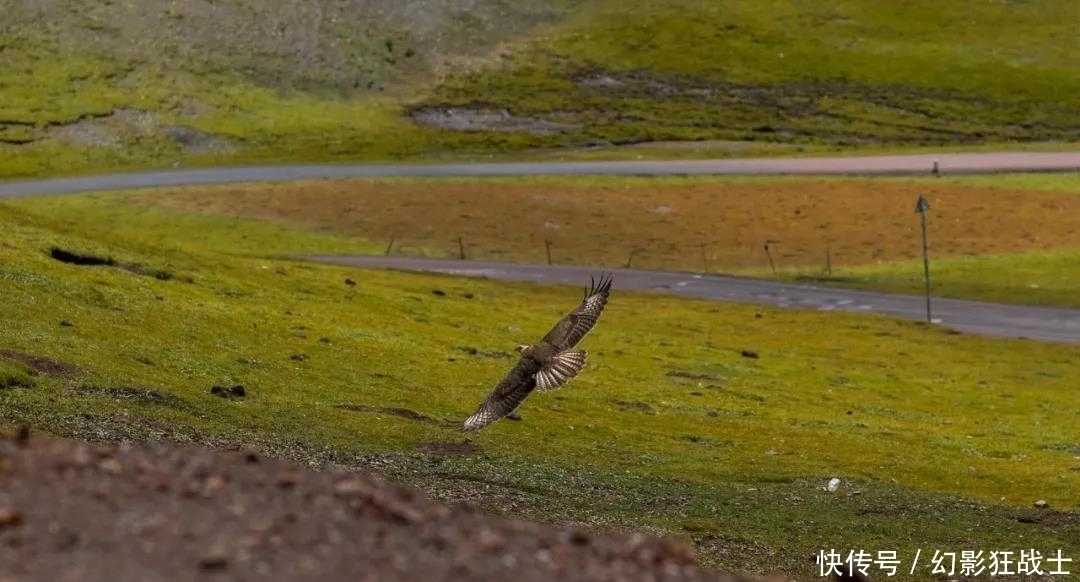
(770, 76)
(836, 72)
(946, 438)
(1034, 278)
(709, 149)
(165, 229)
(13, 375)
(1052, 182)
(259, 124)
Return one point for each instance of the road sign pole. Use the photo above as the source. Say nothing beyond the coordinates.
(921, 207)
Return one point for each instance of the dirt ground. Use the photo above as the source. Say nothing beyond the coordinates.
(77, 512)
(723, 225)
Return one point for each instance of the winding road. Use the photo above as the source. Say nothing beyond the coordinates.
(947, 163)
(1042, 323)
(1050, 324)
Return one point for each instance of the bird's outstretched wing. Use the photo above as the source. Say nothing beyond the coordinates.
(578, 323)
(506, 396)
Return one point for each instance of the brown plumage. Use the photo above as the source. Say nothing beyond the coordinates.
(547, 364)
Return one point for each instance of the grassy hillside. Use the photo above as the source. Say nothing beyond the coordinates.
(940, 440)
(90, 86)
(839, 72)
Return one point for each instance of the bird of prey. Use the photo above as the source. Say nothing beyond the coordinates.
(547, 364)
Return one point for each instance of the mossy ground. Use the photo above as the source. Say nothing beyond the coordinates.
(942, 441)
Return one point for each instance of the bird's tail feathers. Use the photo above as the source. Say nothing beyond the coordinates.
(560, 370)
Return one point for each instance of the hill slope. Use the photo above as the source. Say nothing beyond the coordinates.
(839, 72)
(102, 85)
(105, 85)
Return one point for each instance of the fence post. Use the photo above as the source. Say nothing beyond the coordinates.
(772, 265)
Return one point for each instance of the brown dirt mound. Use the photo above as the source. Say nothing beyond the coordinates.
(71, 511)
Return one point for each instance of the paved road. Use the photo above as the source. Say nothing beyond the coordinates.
(970, 163)
(1061, 325)
(973, 317)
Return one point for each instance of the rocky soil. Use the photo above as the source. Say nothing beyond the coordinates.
(77, 512)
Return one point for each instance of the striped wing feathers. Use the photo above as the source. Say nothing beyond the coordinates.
(506, 396)
(572, 328)
(560, 370)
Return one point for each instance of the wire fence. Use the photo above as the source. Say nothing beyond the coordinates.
(770, 256)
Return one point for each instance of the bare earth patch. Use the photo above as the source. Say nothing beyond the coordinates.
(401, 412)
(470, 119)
(465, 448)
(73, 511)
(129, 393)
(41, 365)
(112, 129)
(718, 225)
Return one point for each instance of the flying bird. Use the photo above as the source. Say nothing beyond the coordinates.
(547, 364)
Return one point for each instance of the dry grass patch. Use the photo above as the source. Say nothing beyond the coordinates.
(672, 224)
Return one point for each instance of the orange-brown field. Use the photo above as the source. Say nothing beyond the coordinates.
(673, 224)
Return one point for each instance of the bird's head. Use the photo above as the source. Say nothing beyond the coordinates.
(521, 348)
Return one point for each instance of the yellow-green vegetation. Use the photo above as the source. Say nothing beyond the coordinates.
(1067, 183)
(13, 375)
(95, 86)
(1008, 238)
(941, 441)
(841, 72)
(1034, 278)
(92, 124)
